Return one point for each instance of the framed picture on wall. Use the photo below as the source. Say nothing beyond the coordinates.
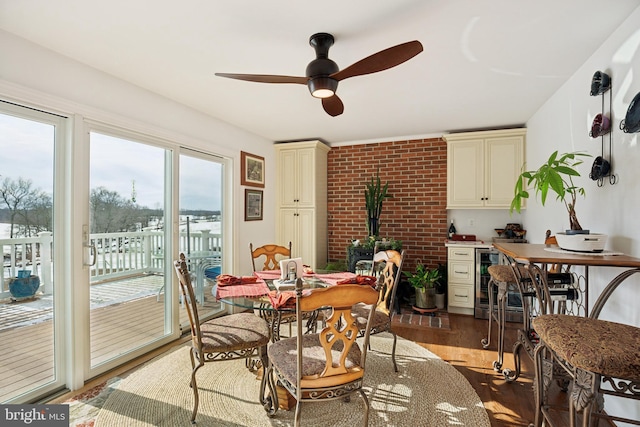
(251, 170)
(252, 205)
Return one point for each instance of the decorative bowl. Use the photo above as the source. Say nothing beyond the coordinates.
(591, 242)
(519, 233)
(499, 231)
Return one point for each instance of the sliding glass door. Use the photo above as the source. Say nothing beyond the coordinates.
(91, 219)
(130, 286)
(31, 310)
(201, 239)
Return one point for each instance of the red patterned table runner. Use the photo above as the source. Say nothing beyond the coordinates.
(256, 289)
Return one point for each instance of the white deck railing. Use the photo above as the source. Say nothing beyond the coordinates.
(116, 255)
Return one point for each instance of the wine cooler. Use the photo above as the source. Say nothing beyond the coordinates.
(486, 257)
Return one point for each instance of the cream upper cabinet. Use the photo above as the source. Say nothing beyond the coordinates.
(302, 200)
(297, 170)
(482, 168)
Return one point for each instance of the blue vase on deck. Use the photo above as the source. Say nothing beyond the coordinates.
(24, 287)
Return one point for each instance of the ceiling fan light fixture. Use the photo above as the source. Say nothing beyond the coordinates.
(322, 87)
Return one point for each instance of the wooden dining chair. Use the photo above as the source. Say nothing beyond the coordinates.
(272, 253)
(389, 263)
(234, 336)
(329, 364)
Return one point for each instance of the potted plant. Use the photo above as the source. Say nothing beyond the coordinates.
(24, 286)
(374, 195)
(424, 280)
(557, 174)
(363, 249)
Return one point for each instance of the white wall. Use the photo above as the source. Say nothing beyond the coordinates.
(39, 77)
(563, 123)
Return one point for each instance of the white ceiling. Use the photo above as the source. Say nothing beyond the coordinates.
(486, 63)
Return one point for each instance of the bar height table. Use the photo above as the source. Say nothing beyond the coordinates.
(538, 257)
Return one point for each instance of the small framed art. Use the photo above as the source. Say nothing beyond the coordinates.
(252, 205)
(251, 170)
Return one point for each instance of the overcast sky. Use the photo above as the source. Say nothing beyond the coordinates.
(26, 150)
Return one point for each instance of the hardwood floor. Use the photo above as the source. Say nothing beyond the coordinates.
(507, 404)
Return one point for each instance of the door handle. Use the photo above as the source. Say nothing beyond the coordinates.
(91, 259)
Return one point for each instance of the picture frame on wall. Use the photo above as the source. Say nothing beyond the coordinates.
(252, 205)
(251, 170)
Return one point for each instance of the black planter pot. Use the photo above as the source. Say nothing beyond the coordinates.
(357, 253)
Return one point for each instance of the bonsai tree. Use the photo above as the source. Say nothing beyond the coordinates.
(556, 174)
(374, 195)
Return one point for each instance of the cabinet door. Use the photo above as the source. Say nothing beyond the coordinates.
(287, 169)
(503, 161)
(306, 178)
(288, 228)
(465, 164)
(306, 237)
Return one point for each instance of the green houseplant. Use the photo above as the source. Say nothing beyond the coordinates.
(374, 195)
(424, 280)
(556, 174)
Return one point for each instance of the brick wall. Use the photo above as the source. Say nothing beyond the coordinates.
(415, 212)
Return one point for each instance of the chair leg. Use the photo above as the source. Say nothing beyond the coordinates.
(486, 342)
(269, 401)
(501, 320)
(539, 387)
(366, 408)
(393, 350)
(296, 421)
(194, 386)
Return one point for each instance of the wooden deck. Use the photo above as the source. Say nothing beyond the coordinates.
(124, 315)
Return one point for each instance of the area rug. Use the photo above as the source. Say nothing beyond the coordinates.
(84, 407)
(426, 391)
(411, 319)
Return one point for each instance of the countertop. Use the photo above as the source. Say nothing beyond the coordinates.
(468, 244)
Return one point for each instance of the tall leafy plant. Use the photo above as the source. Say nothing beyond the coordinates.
(374, 195)
(556, 174)
(424, 277)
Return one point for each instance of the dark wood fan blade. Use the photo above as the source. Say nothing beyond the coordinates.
(265, 78)
(381, 61)
(333, 105)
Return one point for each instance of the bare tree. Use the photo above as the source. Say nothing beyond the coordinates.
(110, 212)
(29, 208)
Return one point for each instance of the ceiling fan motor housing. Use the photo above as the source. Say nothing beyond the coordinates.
(318, 71)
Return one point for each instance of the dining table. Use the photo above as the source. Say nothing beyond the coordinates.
(260, 294)
(537, 259)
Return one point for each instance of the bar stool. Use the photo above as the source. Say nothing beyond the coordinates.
(601, 357)
(593, 352)
(503, 279)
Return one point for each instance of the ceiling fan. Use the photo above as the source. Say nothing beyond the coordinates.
(323, 75)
